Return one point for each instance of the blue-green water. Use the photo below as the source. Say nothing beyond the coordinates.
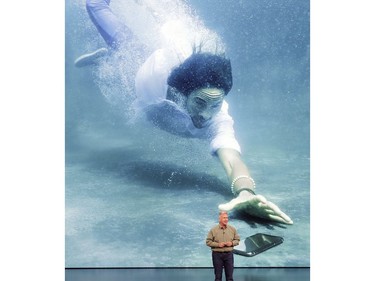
(140, 197)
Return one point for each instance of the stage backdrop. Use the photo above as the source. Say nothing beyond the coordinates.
(137, 196)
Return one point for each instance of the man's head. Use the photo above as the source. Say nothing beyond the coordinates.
(202, 70)
(223, 219)
(205, 79)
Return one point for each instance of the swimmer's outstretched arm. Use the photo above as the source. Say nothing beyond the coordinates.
(243, 186)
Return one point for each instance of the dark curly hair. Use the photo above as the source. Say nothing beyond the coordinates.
(202, 70)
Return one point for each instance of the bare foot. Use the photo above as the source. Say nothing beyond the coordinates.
(91, 58)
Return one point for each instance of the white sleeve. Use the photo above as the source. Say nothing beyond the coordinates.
(222, 131)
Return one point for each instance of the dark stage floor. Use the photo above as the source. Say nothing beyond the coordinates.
(186, 274)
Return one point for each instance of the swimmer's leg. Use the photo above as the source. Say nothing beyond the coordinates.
(113, 31)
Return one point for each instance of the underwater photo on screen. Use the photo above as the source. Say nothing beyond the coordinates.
(175, 110)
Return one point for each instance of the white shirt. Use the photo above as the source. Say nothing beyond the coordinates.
(151, 89)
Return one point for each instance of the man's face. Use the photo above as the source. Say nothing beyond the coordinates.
(223, 219)
(202, 104)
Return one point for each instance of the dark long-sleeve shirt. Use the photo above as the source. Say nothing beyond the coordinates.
(219, 234)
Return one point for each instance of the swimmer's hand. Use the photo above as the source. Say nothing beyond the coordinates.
(257, 206)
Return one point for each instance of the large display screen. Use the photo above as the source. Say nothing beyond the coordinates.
(137, 195)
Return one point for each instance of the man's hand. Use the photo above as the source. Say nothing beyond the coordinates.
(225, 244)
(257, 206)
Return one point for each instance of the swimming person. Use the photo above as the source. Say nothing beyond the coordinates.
(185, 95)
